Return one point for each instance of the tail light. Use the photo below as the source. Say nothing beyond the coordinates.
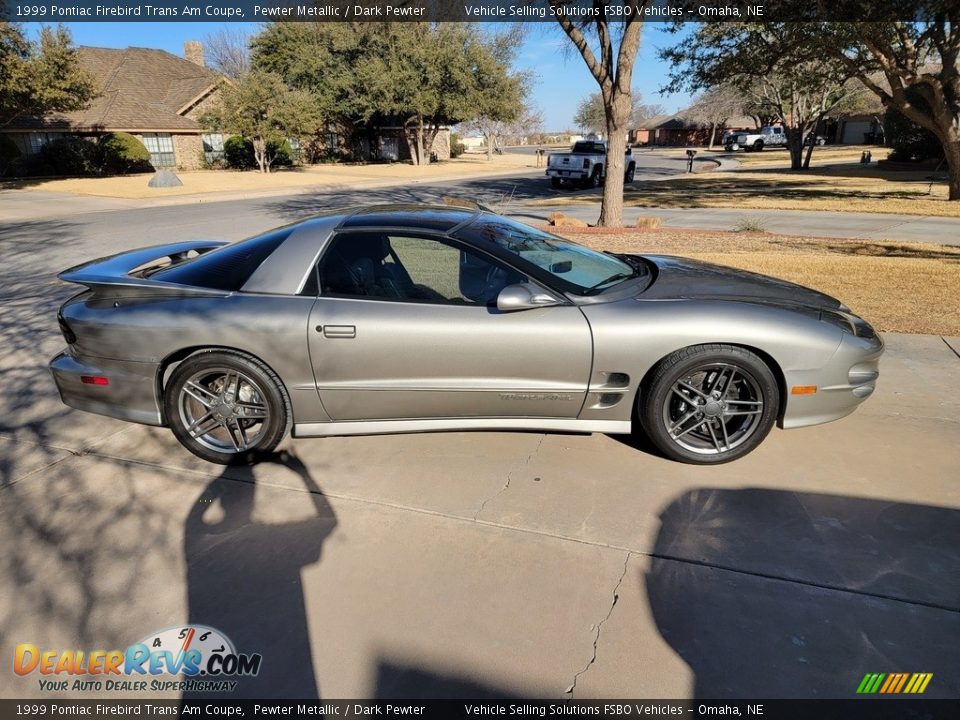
(68, 334)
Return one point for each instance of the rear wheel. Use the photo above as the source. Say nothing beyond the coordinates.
(758, 146)
(556, 183)
(226, 408)
(709, 404)
(631, 171)
(594, 179)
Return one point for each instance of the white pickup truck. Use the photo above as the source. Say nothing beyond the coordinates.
(747, 141)
(586, 165)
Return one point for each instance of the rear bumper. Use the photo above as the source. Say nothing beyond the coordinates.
(564, 174)
(847, 380)
(130, 395)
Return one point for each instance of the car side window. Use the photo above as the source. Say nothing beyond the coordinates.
(386, 266)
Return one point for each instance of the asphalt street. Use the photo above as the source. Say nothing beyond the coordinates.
(474, 564)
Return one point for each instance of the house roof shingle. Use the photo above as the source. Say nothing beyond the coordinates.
(139, 89)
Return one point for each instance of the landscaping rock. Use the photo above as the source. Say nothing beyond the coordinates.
(163, 179)
(558, 219)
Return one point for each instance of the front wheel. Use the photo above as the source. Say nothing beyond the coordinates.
(226, 408)
(556, 183)
(709, 404)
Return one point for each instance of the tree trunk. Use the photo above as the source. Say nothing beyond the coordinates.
(260, 154)
(713, 135)
(952, 152)
(795, 144)
(489, 140)
(618, 116)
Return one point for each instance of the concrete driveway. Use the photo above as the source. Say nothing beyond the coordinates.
(482, 564)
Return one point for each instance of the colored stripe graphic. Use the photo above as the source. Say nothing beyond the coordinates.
(894, 683)
(903, 681)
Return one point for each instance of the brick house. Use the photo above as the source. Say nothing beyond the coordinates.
(152, 94)
(679, 131)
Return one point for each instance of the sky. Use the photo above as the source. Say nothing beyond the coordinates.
(562, 77)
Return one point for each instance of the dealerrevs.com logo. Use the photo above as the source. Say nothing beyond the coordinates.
(201, 658)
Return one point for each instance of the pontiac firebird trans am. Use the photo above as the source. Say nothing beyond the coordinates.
(396, 319)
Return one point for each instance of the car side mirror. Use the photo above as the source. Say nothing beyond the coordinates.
(524, 296)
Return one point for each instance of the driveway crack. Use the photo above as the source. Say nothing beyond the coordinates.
(951, 347)
(598, 627)
(506, 485)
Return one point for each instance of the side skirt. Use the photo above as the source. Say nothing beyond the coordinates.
(381, 427)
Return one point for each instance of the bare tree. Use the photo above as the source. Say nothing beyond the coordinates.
(713, 108)
(228, 52)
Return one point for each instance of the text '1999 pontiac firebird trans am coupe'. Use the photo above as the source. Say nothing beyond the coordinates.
(410, 318)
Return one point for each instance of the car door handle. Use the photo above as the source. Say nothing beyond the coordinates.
(338, 331)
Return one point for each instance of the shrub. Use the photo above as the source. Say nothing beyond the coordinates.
(238, 153)
(457, 148)
(9, 152)
(123, 153)
(70, 155)
(30, 166)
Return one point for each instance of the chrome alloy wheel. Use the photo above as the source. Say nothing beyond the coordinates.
(713, 409)
(223, 409)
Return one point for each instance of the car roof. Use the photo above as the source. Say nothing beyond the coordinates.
(440, 218)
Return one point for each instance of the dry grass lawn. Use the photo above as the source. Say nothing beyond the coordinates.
(898, 287)
(764, 182)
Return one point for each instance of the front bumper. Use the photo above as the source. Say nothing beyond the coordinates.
(846, 381)
(130, 395)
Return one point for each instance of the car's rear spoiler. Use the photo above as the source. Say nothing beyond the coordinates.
(116, 270)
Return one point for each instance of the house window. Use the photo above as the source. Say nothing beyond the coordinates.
(160, 147)
(213, 147)
(38, 140)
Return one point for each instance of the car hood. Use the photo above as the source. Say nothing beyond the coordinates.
(681, 278)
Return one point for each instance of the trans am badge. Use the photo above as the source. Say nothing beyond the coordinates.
(186, 658)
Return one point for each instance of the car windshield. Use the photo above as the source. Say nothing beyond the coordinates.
(572, 267)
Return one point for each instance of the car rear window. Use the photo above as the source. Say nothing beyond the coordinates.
(229, 267)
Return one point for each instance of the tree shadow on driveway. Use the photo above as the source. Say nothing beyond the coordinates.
(244, 578)
(775, 594)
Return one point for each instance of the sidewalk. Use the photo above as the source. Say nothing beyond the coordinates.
(815, 223)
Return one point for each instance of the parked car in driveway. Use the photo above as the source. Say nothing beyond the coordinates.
(768, 136)
(390, 319)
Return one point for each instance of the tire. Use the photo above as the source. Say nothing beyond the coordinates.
(556, 183)
(631, 171)
(687, 406)
(821, 141)
(758, 146)
(246, 407)
(594, 179)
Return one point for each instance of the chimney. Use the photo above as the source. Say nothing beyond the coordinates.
(193, 51)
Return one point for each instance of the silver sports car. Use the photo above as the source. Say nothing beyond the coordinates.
(413, 318)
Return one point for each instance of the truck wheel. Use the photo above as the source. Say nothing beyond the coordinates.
(630, 173)
(556, 183)
(594, 179)
(758, 146)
